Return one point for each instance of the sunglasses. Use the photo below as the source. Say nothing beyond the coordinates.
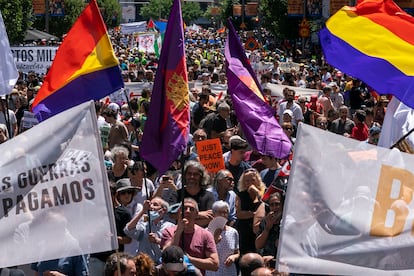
(124, 192)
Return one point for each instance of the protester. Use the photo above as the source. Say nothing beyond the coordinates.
(227, 242)
(251, 189)
(147, 229)
(222, 189)
(120, 262)
(195, 182)
(196, 241)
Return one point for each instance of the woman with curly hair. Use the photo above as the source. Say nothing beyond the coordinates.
(144, 264)
(251, 189)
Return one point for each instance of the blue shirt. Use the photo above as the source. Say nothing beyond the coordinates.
(230, 199)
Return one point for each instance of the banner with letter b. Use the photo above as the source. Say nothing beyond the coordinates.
(349, 208)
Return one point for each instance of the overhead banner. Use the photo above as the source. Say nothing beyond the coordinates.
(54, 193)
(37, 59)
(348, 209)
(134, 27)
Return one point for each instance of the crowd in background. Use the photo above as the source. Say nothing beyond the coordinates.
(164, 222)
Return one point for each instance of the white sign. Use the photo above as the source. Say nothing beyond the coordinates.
(54, 194)
(349, 208)
(146, 43)
(37, 59)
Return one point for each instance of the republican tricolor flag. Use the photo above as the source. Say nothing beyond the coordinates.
(374, 42)
(85, 67)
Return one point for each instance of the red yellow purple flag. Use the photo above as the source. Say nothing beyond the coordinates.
(256, 116)
(373, 41)
(167, 128)
(85, 67)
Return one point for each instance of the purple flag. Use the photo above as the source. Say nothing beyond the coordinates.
(167, 129)
(255, 115)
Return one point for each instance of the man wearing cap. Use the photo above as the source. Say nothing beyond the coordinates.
(174, 262)
(294, 107)
(8, 118)
(236, 164)
(336, 96)
(196, 241)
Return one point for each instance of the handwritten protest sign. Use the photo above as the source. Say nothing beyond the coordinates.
(210, 154)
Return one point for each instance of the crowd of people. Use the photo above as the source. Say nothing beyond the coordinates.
(188, 221)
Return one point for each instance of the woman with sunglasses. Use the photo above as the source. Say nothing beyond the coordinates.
(251, 189)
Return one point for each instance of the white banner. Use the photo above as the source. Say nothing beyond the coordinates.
(348, 209)
(146, 43)
(37, 59)
(8, 71)
(54, 192)
(133, 27)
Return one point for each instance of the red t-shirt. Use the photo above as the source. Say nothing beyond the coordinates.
(360, 132)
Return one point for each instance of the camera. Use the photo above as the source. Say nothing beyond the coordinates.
(165, 178)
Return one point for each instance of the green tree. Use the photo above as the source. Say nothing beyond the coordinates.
(17, 16)
(274, 17)
(160, 9)
(156, 9)
(191, 11)
(59, 25)
(111, 12)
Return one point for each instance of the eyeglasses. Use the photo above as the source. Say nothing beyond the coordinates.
(322, 123)
(198, 137)
(228, 178)
(191, 208)
(288, 128)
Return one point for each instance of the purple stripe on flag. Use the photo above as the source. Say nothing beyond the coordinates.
(104, 82)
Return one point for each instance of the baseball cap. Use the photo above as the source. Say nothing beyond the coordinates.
(173, 259)
(289, 112)
(236, 142)
(114, 107)
(374, 130)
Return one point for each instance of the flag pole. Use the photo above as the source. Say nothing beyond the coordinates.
(183, 159)
(5, 108)
(402, 138)
(143, 163)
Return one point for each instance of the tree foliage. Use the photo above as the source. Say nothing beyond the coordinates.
(59, 25)
(160, 9)
(274, 17)
(17, 15)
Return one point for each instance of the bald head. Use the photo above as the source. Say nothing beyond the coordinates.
(249, 262)
(262, 271)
